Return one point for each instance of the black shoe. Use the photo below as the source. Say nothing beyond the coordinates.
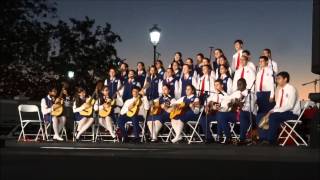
(209, 141)
(124, 140)
(136, 140)
(242, 143)
(228, 141)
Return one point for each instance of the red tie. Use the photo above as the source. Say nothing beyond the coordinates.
(261, 80)
(281, 97)
(202, 86)
(217, 98)
(238, 61)
(242, 73)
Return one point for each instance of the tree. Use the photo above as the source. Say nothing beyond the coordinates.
(29, 40)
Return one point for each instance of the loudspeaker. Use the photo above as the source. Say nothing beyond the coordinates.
(315, 68)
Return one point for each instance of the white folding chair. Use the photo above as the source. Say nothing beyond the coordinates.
(288, 129)
(24, 108)
(165, 137)
(104, 135)
(49, 136)
(86, 134)
(195, 135)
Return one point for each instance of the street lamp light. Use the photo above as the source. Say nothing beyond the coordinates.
(70, 74)
(154, 38)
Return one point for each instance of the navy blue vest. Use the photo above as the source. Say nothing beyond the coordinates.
(184, 83)
(152, 92)
(112, 86)
(49, 103)
(141, 78)
(161, 74)
(164, 99)
(171, 85)
(187, 101)
(225, 83)
(127, 89)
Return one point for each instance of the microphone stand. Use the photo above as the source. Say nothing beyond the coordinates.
(250, 112)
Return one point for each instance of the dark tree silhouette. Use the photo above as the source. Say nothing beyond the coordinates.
(35, 51)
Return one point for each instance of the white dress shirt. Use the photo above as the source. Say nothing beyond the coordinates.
(208, 84)
(274, 65)
(290, 100)
(268, 81)
(252, 66)
(235, 59)
(244, 96)
(249, 76)
(144, 106)
(217, 97)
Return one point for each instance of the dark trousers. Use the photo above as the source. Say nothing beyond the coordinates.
(224, 118)
(205, 125)
(274, 123)
(263, 102)
(135, 122)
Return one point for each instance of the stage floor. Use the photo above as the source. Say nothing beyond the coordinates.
(107, 159)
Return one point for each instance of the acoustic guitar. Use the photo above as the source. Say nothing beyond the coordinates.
(155, 107)
(57, 107)
(90, 101)
(107, 107)
(135, 107)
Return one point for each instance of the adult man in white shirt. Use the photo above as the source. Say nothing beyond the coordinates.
(271, 63)
(244, 72)
(264, 86)
(224, 116)
(250, 63)
(238, 44)
(213, 102)
(123, 118)
(287, 107)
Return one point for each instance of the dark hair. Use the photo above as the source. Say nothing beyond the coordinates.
(190, 59)
(208, 66)
(51, 87)
(265, 58)
(201, 55)
(246, 57)
(166, 85)
(284, 75)
(227, 67)
(219, 81)
(125, 64)
(180, 54)
(241, 82)
(207, 59)
(136, 88)
(247, 52)
(104, 87)
(268, 50)
(143, 66)
(159, 61)
(134, 72)
(77, 97)
(192, 87)
(153, 66)
(224, 57)
(220, 50)
(238, 41)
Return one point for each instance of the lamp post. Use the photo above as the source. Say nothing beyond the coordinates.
(154, 38)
